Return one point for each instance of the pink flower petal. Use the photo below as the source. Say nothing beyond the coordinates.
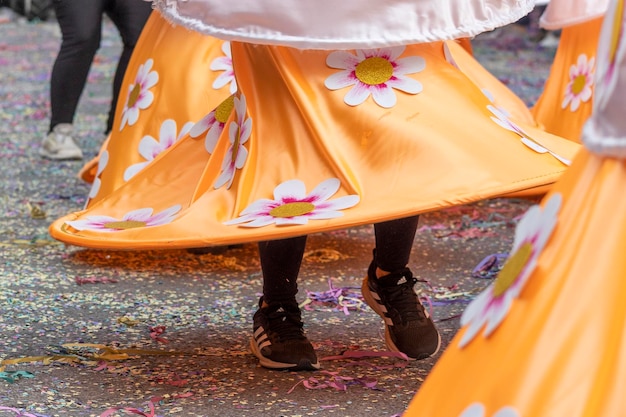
(358, 94)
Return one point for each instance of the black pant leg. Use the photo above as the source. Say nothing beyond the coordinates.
(394, 240)
(129, 16)
(81, 25)
(280, 264)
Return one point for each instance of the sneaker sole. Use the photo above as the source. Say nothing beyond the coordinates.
(304, 365)
(59, 156)
(371, 301)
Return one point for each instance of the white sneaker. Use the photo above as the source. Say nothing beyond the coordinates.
(550, 41)
(59, 144)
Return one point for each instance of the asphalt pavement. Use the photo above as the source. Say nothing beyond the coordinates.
(88, 332)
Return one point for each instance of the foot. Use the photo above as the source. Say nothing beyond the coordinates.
(59, 144)
(408, 326)
(279, 341)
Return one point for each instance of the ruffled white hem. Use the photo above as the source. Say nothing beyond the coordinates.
(595, 139)
(561, 14)
(345, 24)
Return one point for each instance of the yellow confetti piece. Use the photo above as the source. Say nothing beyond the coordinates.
(128, 321)
(36, 212)
(231, 263)
(92, 353)
(323, 255)
(25, 242)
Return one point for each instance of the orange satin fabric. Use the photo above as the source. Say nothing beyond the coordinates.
(546, 338)
(575, 41)
(431, 150)
(183, 93)
(561, 349)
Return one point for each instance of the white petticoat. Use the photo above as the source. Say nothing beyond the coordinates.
(605, 132)
(563, 13)
(342, 24)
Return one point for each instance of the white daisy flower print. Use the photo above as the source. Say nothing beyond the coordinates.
(237, 154)
(478, 410)
(376, 72)
(103, 161)
(448, 55)
(492, 305)
(150, 148)
(139, 95)
(291, 205)
(213, 124)
(501, 117)
(224, 63)
(137, 218)
(579, 88)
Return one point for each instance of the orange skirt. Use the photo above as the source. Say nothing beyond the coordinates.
(566, 101)
(321, 140)
(169, 97)
(560, 350)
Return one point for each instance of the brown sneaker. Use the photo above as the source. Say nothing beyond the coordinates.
(278, 338)
(408, 327)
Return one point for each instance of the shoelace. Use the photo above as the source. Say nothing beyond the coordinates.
(403, 299)
(285, 324)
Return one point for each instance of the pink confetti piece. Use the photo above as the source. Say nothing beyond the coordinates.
(102, 365)
(469, 233)
(396, 365)
(94, 280)
(370, 383)
(312, 383)
(294, 387)
(335, 381)
(358, 354)
(338, 385)
(177, 382)
(438, 226)
(131, 410)
(156, 332)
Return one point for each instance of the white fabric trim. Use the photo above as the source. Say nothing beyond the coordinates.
(564, 13)
(344, 24)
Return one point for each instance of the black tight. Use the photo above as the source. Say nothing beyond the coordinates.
(280, 264)
(81, 28)
(281, 259)
(394, 240)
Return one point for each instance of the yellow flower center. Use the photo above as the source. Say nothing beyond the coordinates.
(374, 70)
(511, 269)
(125, 224)
(292, 209)
(134, 95)
(223, 111)
(579, 84)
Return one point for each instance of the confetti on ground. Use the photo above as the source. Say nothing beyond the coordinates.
(339, 298)
(490, 265)
(82, 332)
